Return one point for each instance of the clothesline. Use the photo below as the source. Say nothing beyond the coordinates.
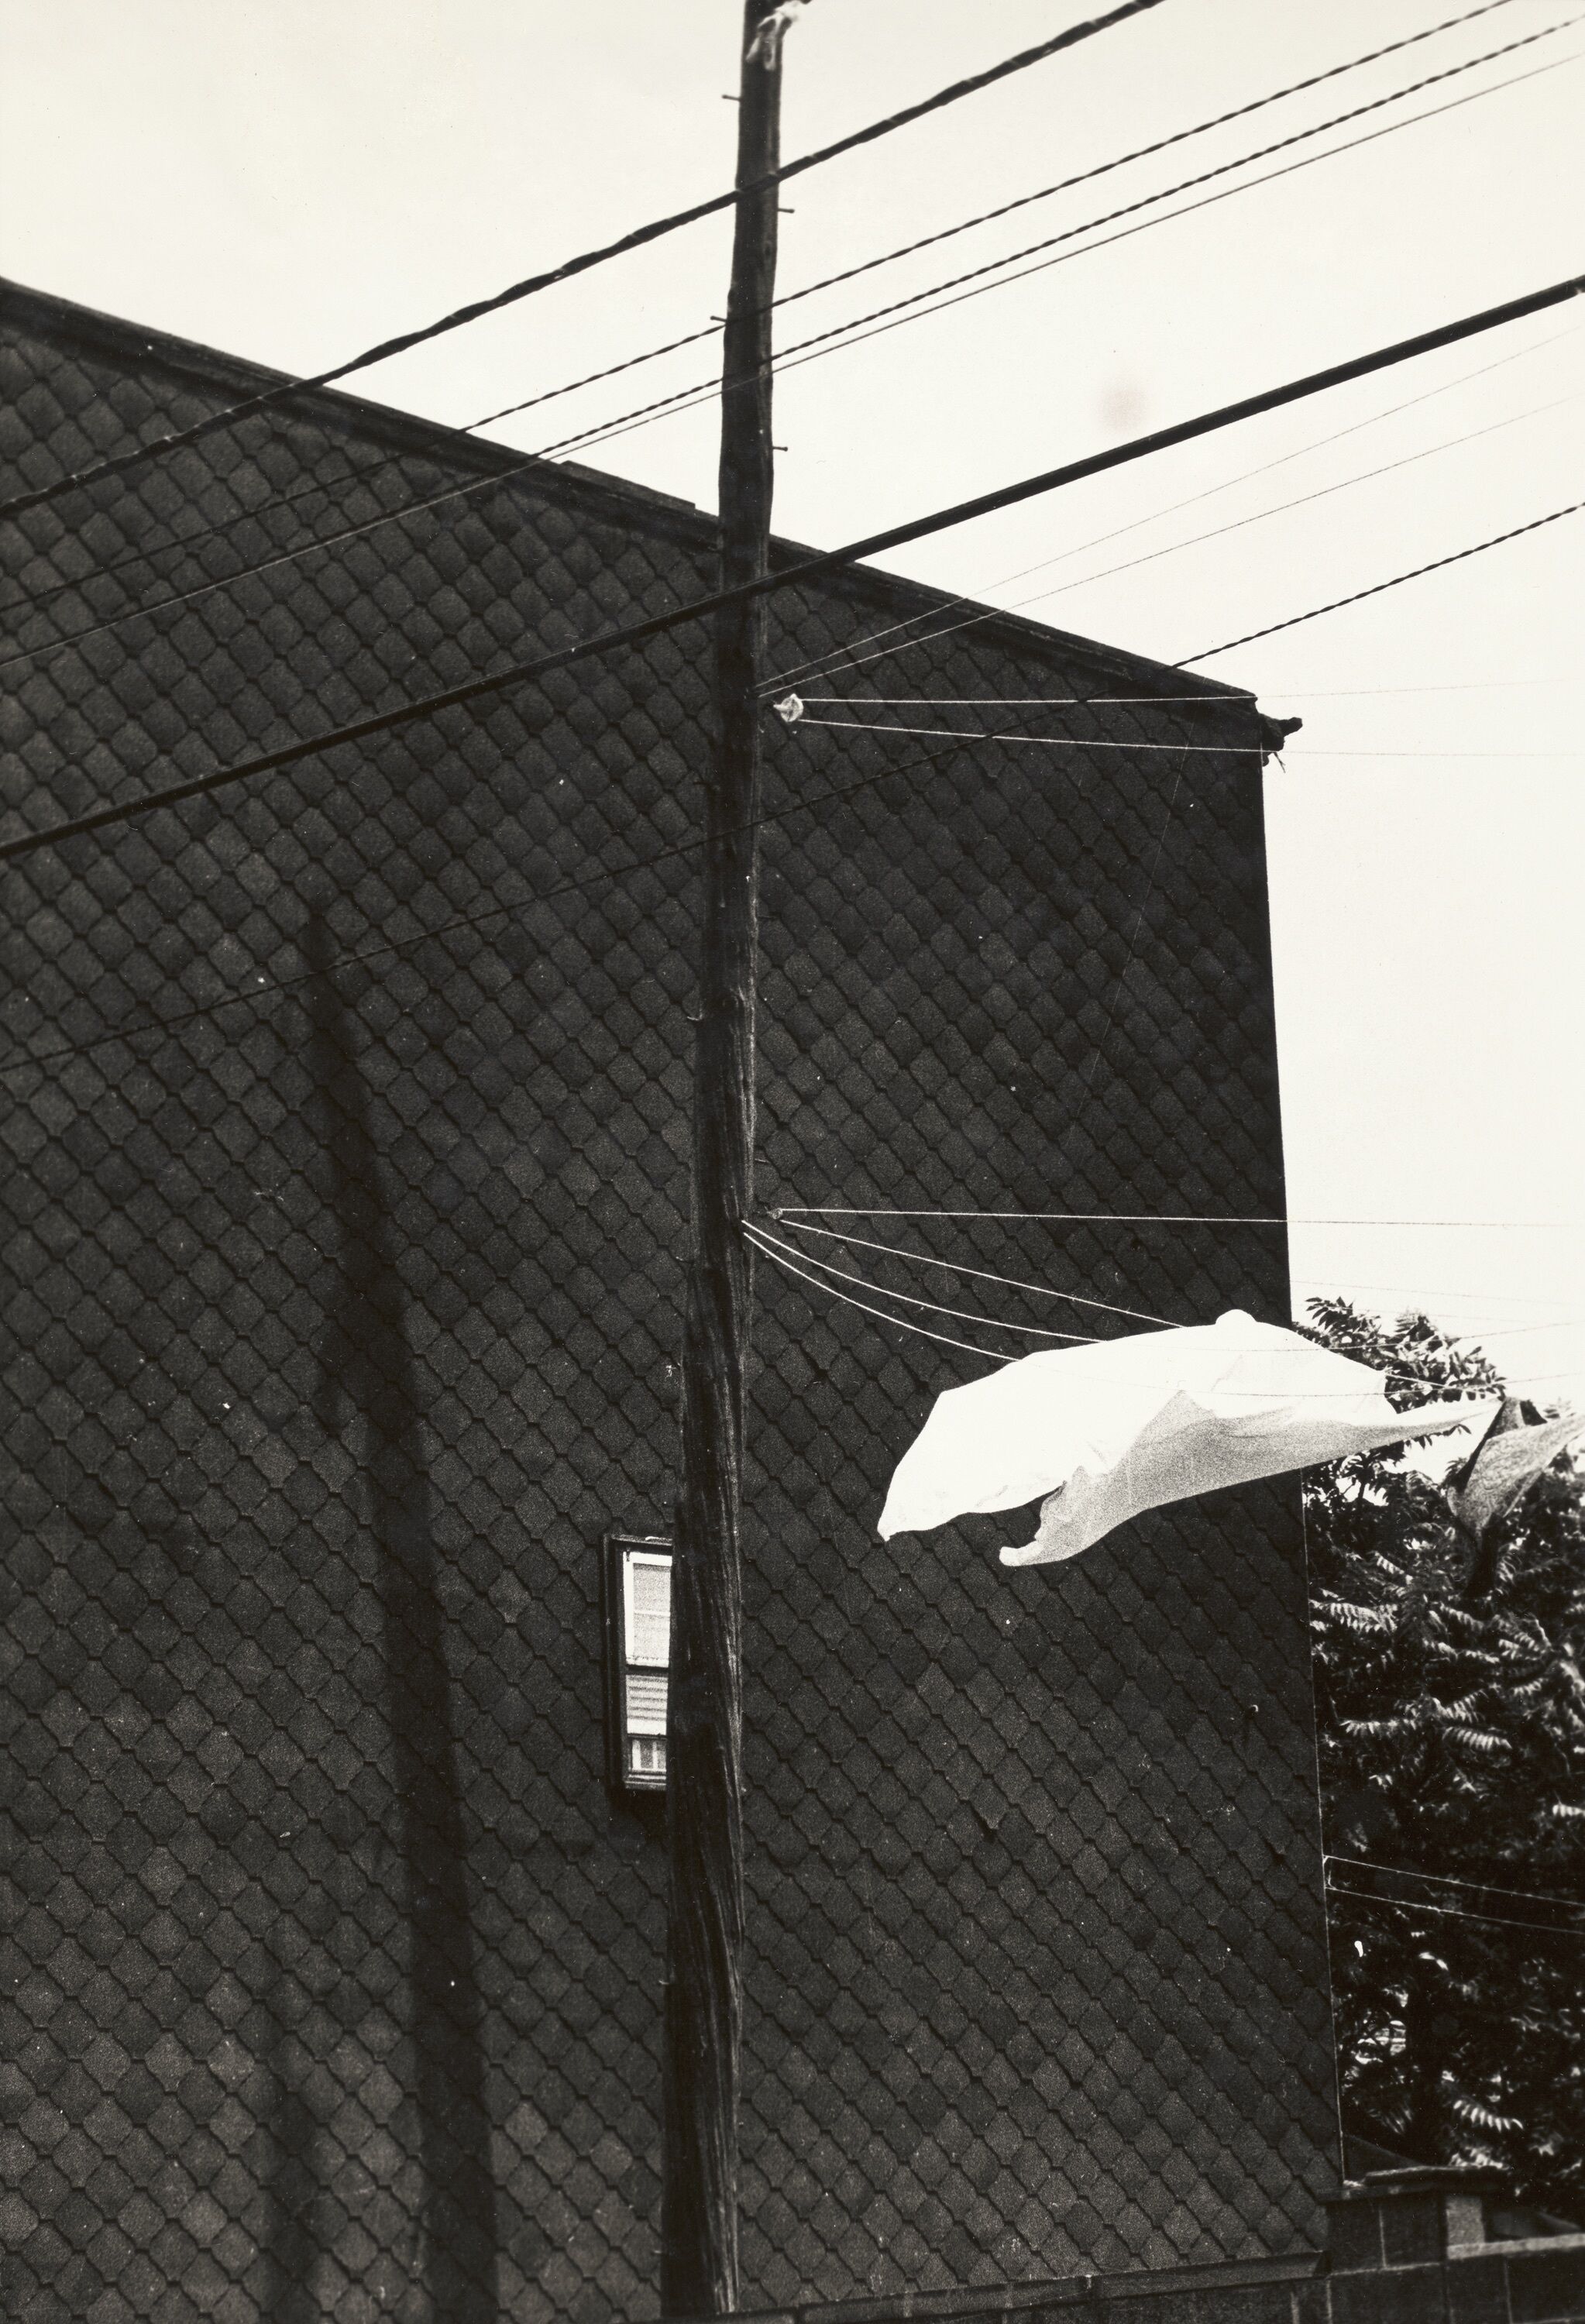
(1099, 743)
(788, 1211)
(880, 1313)
(762, 1241)
(1453, 1880)
(958, 734)
(1457, 1912)
(1106, 1307)
(1206, 701)
(1007, 1282)
(775, 1250)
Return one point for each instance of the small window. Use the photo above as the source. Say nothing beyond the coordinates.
(637, 1591)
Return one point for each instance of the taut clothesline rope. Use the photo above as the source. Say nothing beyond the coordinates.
(1457, 1912)
(1071, 742)
(763, 1241)
(1096, 701)
(773, 1249)
(1098, 743)
(790, 1211)
(901, 1322)
(1455, 1880)
(1007, 1282)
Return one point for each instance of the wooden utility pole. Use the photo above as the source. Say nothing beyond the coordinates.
(703, 1775)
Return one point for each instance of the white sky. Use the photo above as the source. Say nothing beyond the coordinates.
(292, 180)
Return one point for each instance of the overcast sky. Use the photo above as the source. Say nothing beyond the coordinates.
(292, 180)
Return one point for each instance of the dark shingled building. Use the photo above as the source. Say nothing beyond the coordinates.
(348, 1115)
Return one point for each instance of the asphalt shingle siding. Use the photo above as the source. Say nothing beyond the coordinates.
(344, 1322)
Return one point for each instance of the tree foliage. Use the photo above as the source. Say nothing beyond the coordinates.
(1451, 1698)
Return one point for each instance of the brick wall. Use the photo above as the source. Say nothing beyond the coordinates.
(345, 1314)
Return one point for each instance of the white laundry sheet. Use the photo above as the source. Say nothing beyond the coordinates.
(1507, 1464)
(1126, 1424)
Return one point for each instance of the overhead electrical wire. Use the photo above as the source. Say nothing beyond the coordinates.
(27, 601)
(357, 473)
(635, 239)
(830, 560)
(1184, 185)
(893, 316)
(848, 656)
(266, 988)
(835, 340)
(1235, 524)
(1004, 209)
(1356, 596)
(1099, 701)
(826, 282)
(52, 647)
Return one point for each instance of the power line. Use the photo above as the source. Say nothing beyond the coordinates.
(830, 560)
(987, 218)
(36, 654)
(633, 240)
(852, 333)
(849, 658)
(1108, 701)
(1137, 1315)
(461, 922)
(837, 339)
(1515, 533)
(1260, 516)
(894, 316)
(26, 601)
(308, 548)
(691, 338)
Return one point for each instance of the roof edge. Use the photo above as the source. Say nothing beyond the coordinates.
(60, 318)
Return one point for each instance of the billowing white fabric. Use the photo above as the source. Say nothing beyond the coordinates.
(1128, 1425)
(1505, 1464)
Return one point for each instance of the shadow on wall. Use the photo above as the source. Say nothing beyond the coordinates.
(368, 1393)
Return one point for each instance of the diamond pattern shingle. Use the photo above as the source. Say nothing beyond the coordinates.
(344, 1317)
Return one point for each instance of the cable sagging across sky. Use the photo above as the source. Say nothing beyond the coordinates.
(1357, 596)
(841, 336)
(828, 561)
(633, 240)
(1023, 201)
